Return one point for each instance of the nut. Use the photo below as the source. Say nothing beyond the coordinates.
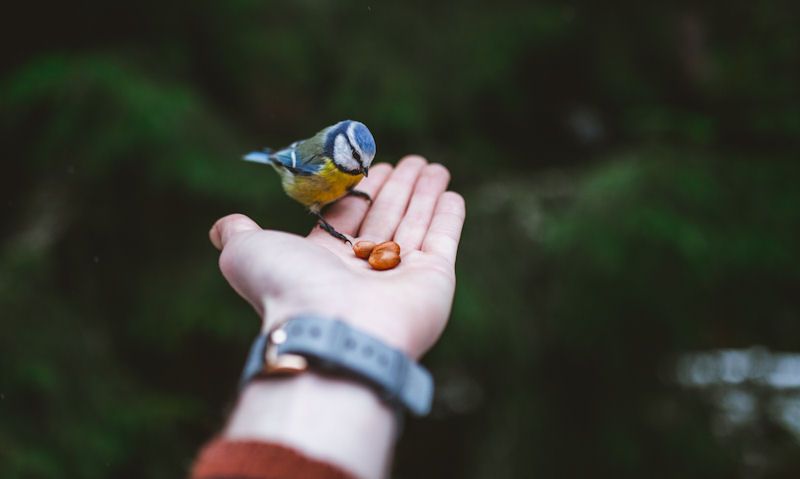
(384, 260)
(387, 246)
(362, 249)
(385, 256)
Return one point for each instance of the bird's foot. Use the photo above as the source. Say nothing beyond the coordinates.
(331, 230)
(361, 194)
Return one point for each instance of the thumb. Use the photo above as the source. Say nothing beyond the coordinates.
(227, 227)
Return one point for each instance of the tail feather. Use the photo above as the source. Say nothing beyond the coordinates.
(262, 157)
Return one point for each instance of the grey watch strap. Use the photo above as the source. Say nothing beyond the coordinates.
(333, 344)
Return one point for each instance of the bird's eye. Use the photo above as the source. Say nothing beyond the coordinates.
(356, 156)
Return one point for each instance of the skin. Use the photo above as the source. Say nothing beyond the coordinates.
(280, 274)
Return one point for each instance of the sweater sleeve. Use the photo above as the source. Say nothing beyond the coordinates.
(223, 459)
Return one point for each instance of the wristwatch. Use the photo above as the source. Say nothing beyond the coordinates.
(314, 342)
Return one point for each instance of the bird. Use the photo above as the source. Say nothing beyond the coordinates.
(322, 169)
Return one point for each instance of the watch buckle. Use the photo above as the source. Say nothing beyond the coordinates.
(288, 364)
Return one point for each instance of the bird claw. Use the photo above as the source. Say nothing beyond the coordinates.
(361, 194)
(332, 231)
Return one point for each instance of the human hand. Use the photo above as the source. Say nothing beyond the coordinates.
(282, 274)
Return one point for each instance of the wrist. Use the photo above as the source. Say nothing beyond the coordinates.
(329, 418)
(390, 327)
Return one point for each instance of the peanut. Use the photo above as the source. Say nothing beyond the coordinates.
(362, 249)
(385, 256)
(388, 246)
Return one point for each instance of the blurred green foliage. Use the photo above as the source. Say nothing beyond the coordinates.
(631, 177)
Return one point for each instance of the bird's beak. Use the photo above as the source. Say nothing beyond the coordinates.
(365, 170)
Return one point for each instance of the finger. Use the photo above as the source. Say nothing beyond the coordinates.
(445, 230)
(390, 205)
(431, 184)
(347, 214)
(229, 226)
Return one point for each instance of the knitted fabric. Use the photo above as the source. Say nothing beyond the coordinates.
(222, 459)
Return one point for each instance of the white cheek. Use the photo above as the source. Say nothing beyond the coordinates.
(343, 155)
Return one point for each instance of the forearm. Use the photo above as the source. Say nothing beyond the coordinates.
(326, 418)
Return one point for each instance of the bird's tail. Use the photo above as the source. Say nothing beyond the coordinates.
(262, 156)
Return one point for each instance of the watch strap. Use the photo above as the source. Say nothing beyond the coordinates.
(335, 345)
(256, 358)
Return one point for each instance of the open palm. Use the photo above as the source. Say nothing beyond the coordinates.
(283, 274)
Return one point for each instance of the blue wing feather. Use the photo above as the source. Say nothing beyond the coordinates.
(287, 158)
(290, 159)
(304, 158)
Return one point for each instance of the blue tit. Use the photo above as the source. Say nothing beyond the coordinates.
(324, 168)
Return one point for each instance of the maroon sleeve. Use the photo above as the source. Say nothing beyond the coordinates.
(221, 459)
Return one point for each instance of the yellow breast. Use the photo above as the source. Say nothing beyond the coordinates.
(327, 186)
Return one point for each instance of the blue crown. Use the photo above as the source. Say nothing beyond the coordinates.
(364, 139)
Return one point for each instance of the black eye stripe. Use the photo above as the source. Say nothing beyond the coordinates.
(356, 156)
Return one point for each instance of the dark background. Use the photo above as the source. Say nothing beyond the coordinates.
(627, 300)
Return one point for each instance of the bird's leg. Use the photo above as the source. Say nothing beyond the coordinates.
(329, 229)
(360, 194)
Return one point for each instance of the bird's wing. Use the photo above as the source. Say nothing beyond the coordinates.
(304, 157)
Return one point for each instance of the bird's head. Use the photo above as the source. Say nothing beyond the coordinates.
(353, 147)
